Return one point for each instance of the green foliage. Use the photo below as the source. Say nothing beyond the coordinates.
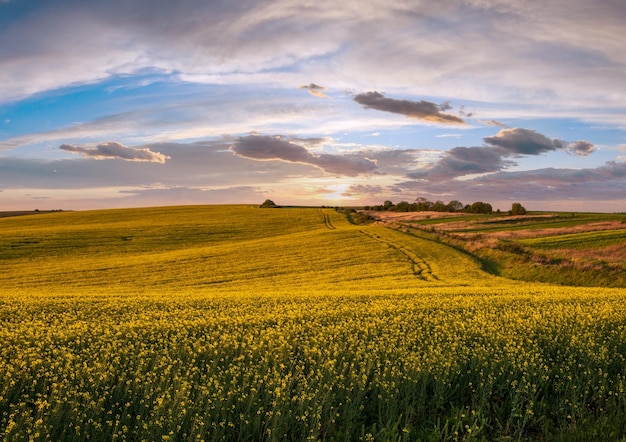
(479, 207)
(422, 204)
(517, 209)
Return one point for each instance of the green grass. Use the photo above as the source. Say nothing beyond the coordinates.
(580, 249)
(578, 240)
(239, 323)
(533, 220)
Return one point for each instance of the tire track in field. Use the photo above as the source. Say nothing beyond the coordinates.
(327, 222)
(421, 268)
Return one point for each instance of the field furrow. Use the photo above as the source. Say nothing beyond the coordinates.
(421, 269)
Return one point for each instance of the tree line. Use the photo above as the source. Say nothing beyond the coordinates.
(422, 204)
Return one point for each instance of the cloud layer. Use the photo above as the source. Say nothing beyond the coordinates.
(506, 144)
(276, 148)
(180, 94)
(115, 150)
(253, 168)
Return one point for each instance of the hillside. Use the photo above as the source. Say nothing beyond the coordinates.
(222, 248)
(239, 323)
(576, 249)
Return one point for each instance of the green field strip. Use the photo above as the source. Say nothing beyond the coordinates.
(578, 240)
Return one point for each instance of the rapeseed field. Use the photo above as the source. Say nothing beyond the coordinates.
(240, 323)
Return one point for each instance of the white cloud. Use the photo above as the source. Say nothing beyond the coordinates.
(559, 52)
(115, 150)
(503, 60)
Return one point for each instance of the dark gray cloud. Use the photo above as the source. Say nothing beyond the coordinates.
(421, 110)
(265, 148)
(524, 142)
(581, 148)
(518, 141)
(315, 90)
(115, 150)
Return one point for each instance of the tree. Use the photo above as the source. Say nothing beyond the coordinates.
(422, 203)
(402, 206)
(479, 207)
(517, 209)
(439, 206)
(387, 205)
(455, 206)
(268, 204)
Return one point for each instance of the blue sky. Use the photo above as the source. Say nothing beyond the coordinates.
(143, 103)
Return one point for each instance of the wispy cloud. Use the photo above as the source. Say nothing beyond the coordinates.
(115, 150)
(461, 161)
(420, 110)
(315, 90)
(495, 123)
(419, 47)
(266, 148)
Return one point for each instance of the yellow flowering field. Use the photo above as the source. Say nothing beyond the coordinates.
(240, 323)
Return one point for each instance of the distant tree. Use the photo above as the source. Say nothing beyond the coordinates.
(455, 206)
(268, 204)
(479, 207)
(402, 206)
(387, 205)
(517, 209)
(422, 204)
(439, 206)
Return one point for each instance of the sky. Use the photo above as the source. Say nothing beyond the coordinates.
(134, 103)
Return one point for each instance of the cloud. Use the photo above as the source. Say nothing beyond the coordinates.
(315, 90)
(602, 188)
(495, 123)
(365, 190)
(581, 148)
(523, 142)
(113, 149)
(419, 47)
(529, 142)
(421, 110)
(194, 165)
(276, 148)
(461, 161)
